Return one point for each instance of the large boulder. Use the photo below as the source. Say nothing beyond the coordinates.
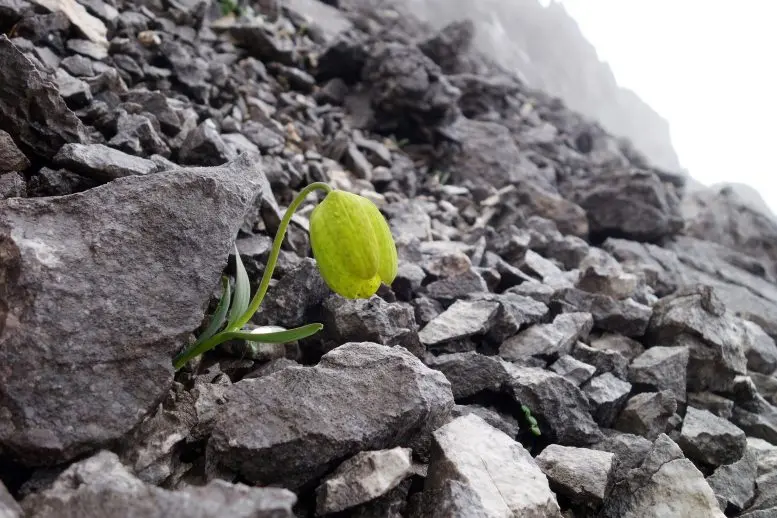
(97, 291)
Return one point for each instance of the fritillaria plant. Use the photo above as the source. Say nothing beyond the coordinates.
(355, 253)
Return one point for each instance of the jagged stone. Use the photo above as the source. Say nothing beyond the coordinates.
(476, 470)
(710, 439)
(365, 476)
(580, 474)
(95, 255)
(647, 414)
(289, 427)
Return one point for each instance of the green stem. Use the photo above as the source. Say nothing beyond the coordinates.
(186, 355)
(276, 250)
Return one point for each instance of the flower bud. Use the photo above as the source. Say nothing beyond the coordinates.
(352, 244)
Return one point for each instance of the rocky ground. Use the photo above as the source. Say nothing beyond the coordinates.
(546, 270)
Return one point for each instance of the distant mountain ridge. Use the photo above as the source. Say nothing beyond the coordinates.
(546, 48)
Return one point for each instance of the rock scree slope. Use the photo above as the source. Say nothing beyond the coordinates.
(572, 331)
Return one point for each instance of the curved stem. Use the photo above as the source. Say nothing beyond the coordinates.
(276, 250)
(198, 349)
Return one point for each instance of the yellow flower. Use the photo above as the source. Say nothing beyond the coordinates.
(352, 244)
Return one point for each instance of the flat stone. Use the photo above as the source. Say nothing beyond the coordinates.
(102, 163)
(93, 257)
(548, 339)
(572, 369)
(365, 476)
(287, 428)
(461, 320)
(476, 470)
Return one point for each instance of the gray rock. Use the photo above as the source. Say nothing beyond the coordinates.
(601, 273)
(365, 476)
(12, 185)
(714, 403)
(489, 156)
(607, 394)
(408, 280)
(296, 293)
(288, 427)
(112, 255)
(734, 483)
(504, 422)
(766, 494)
(561, 409)
(580, 474)
(619, 316)
(204, 146)
(476, 470)
(406, 84)
(665, 482)
(574, 370)
(661, 368)
(11, 158)
(26, 95)
(710, 439)
(515, 311)
(101, 486)
(630, 451)
(102, 163)
(760, 349)
(88, 48)
(137, 134)
(647, 414)
(459, 322)
(548, 339)
(765, 453)
(624, 345)
(50, 182)
(470, 373)
(9, 508)
(603, 360)
(698, 319)
(757, 418)
(569, 217)
(73, 90)
(636, 205)
(456, 287)
(426, 310)
(373, 320)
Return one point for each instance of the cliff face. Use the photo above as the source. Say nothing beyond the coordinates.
(545, 46)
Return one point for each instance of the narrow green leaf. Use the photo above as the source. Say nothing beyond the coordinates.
(220, 314)
(278, 337)
(242, 296)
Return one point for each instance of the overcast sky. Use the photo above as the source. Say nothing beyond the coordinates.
(709, 67)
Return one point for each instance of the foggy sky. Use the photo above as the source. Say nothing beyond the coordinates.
(708, 66)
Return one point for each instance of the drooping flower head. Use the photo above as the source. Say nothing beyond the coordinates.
(352, 244)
